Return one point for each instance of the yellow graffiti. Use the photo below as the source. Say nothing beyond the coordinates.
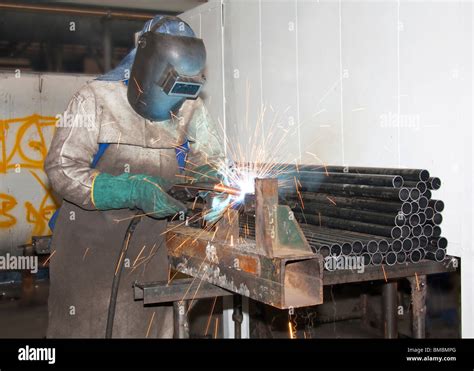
(7, 203)
(40, 216)
(28, 150)
(25, 127)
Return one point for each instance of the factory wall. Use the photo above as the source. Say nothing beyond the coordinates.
(361, 83)
(29, 103)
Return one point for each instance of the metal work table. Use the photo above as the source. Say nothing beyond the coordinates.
(184, 292)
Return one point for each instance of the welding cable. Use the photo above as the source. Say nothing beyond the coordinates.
(118, 272)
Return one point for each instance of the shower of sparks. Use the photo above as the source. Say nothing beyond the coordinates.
(263, 155)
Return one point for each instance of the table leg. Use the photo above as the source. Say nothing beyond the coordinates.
(389, 299)
(181, 323)
(418, 299)
(237, 316)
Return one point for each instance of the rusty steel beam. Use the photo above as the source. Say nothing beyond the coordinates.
(278, 268)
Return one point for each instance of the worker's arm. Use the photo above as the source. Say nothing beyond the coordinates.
(74, 144)
(206, 146)
(68, 166)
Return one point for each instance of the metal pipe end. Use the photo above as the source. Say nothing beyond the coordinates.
(383, 246)
(422, 187)
(407, 244)
(404, 194)
(397, 181)
(357, 247)
(423, 241)
(415, 256)
(428, 230)
(424, 175)
(372, 246)
(397, 245)
(406, 208)
(423, 202)
(401, 257)
(414, 220)
(377, 258)
(396, 232)
(415, 194)
(437, 218)
(435, 183)
(390, 258)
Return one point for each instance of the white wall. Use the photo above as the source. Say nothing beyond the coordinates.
(29, 103)
(366, 83)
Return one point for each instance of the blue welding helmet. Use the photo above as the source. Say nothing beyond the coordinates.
(167, 70)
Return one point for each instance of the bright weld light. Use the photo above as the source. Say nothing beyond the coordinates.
(246, 184)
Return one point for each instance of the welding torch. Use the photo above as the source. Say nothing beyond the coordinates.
(186, 191)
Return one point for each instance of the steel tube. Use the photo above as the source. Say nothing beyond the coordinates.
(376, 258)
(434, 183)
(423, 202)
(369, 204)
(439, 255)
(437, 205)
(349, 190)
(354, 215)
(428, 230)
(401, 257)
(407, 244)
(407, 174)
(420, 185)
(415, 256)
(423, 241)
(396, 246)
(417, 231)
(394, 181)
(393, 232)
(441, 243)
(390, 258)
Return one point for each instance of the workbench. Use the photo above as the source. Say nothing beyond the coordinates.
(183, 293)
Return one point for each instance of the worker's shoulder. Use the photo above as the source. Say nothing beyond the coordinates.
(99, 88)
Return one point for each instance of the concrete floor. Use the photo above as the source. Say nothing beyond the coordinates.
(26, 316)
(23, 316)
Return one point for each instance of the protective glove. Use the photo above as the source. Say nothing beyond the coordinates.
(135, 191)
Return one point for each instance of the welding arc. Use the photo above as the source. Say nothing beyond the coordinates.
(394, 181)
(407, 174)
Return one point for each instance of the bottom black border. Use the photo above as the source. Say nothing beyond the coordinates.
(222, 354)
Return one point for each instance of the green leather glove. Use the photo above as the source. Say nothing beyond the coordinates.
(135, 191)
(205, 173)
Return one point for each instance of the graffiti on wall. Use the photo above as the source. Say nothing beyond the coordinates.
(24, 145)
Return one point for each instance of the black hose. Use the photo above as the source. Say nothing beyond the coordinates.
(118, 273)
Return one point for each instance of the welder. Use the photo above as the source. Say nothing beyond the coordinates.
(150, 129)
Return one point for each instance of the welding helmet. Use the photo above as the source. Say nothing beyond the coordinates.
(167, 70)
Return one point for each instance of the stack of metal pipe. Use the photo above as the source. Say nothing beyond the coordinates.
(385, 215)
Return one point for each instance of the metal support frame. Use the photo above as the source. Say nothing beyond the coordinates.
(390, 304)
(418, 299)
